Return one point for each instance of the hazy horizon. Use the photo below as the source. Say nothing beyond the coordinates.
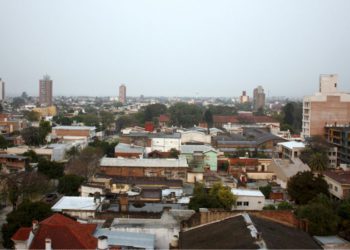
(178, 48)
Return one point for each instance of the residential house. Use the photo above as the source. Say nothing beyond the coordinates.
(284, 169)
(163, 120)
(248, 199)
(338, 183)
(290, 149)
(78, 206)
(11, 163)
(164, 142)
(200, 156)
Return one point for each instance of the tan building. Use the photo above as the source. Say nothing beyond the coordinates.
(45, 91)
(328, 106)
(258, 98)
(244, 98)
(169, 168)
(74, 132)
(338, 183)
(46, 111)
(122, 94)
(2, 90)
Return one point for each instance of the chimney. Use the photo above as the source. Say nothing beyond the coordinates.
(35, 225)
(102, 242)
(48, 244)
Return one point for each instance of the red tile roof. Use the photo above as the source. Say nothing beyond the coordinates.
(64, 233)
(244, 162)
(22, 234)
(164, 118)
(225, 119)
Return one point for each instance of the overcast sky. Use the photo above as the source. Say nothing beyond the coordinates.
(174, 48)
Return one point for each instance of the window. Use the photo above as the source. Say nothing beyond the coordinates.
(246, 203)
(336, 188)
(239, 203)
(330, 186)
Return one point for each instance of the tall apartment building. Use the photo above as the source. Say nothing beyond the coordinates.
(328, 106)
(2, 90)
(258, 98)
(45, 91)
(244, 98)
(339, 136)
(122, 93)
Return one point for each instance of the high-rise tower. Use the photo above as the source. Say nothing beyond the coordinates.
(258, 98)
(45, 91)
(2, 90)
(122, 94)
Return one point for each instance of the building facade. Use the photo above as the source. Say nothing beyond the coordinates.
(328, 106)
(2, 90)
(244, 98)
(339, 136)
(122, 93)
(258, 98)
(45, 91)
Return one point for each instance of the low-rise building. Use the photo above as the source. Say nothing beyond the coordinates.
(165, 142)
(11, 163)
(338, 183)
(284, 169)
(123, 150)
(195, 137)
(248, 199)
(290, 149)
(74, 132)
(79, 207)
(169, 168)
(200, 156)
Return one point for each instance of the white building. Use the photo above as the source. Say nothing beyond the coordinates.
(248, 199)
(290, 149)
(79, 207)
(164, 142)
(193, 136)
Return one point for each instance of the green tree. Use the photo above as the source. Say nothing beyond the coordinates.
(23, 217)
(266, 190)
(174, 153)
(217, 197)
(343, 211)
(33, 157)
(304, 186)
(3, 142)
(185, 115)
(32, 116)
(17, 102)
(51, 169)
(284, 205)
(208, 118)
(315, 153)
(154, 111)
(320, 215)
(107, 119)
(69, 184)
(292, 116)
(222, 110)
(32, 136)
(62, 120)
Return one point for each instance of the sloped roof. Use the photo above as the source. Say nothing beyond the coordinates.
(225, 119)
(190, 149)
(170, 163)
(76, 203)
(127, 148)
(64, 233)
(341, 176)
(164, 118)
(22, 234)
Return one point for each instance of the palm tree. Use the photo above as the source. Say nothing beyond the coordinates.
(318, 161)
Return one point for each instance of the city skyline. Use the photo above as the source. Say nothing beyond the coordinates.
(215, 49)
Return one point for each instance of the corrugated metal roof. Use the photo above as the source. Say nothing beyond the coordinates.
(190, 149)
(247, 192)
(74, 127)
(115, 162)
(76, 203)
(128, 239)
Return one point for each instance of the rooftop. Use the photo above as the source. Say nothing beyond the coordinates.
(127, 148)
(247, 192)
(341, 176)
(74, 127)
(75, 203)
(128, 239)
(292, 144)
(190, 149)
(169, 163)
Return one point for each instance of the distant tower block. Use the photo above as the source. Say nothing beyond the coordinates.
(45, 91)
(2, 90)
(258, 98)
(244, 98)
(122, 94)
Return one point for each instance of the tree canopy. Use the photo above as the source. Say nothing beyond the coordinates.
(218, 196)
(185, 115)
(69, 184)
(23, 217)
(304, 186)
(315, 153)
(51, 169)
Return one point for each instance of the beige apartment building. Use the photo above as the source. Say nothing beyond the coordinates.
(328, 106)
